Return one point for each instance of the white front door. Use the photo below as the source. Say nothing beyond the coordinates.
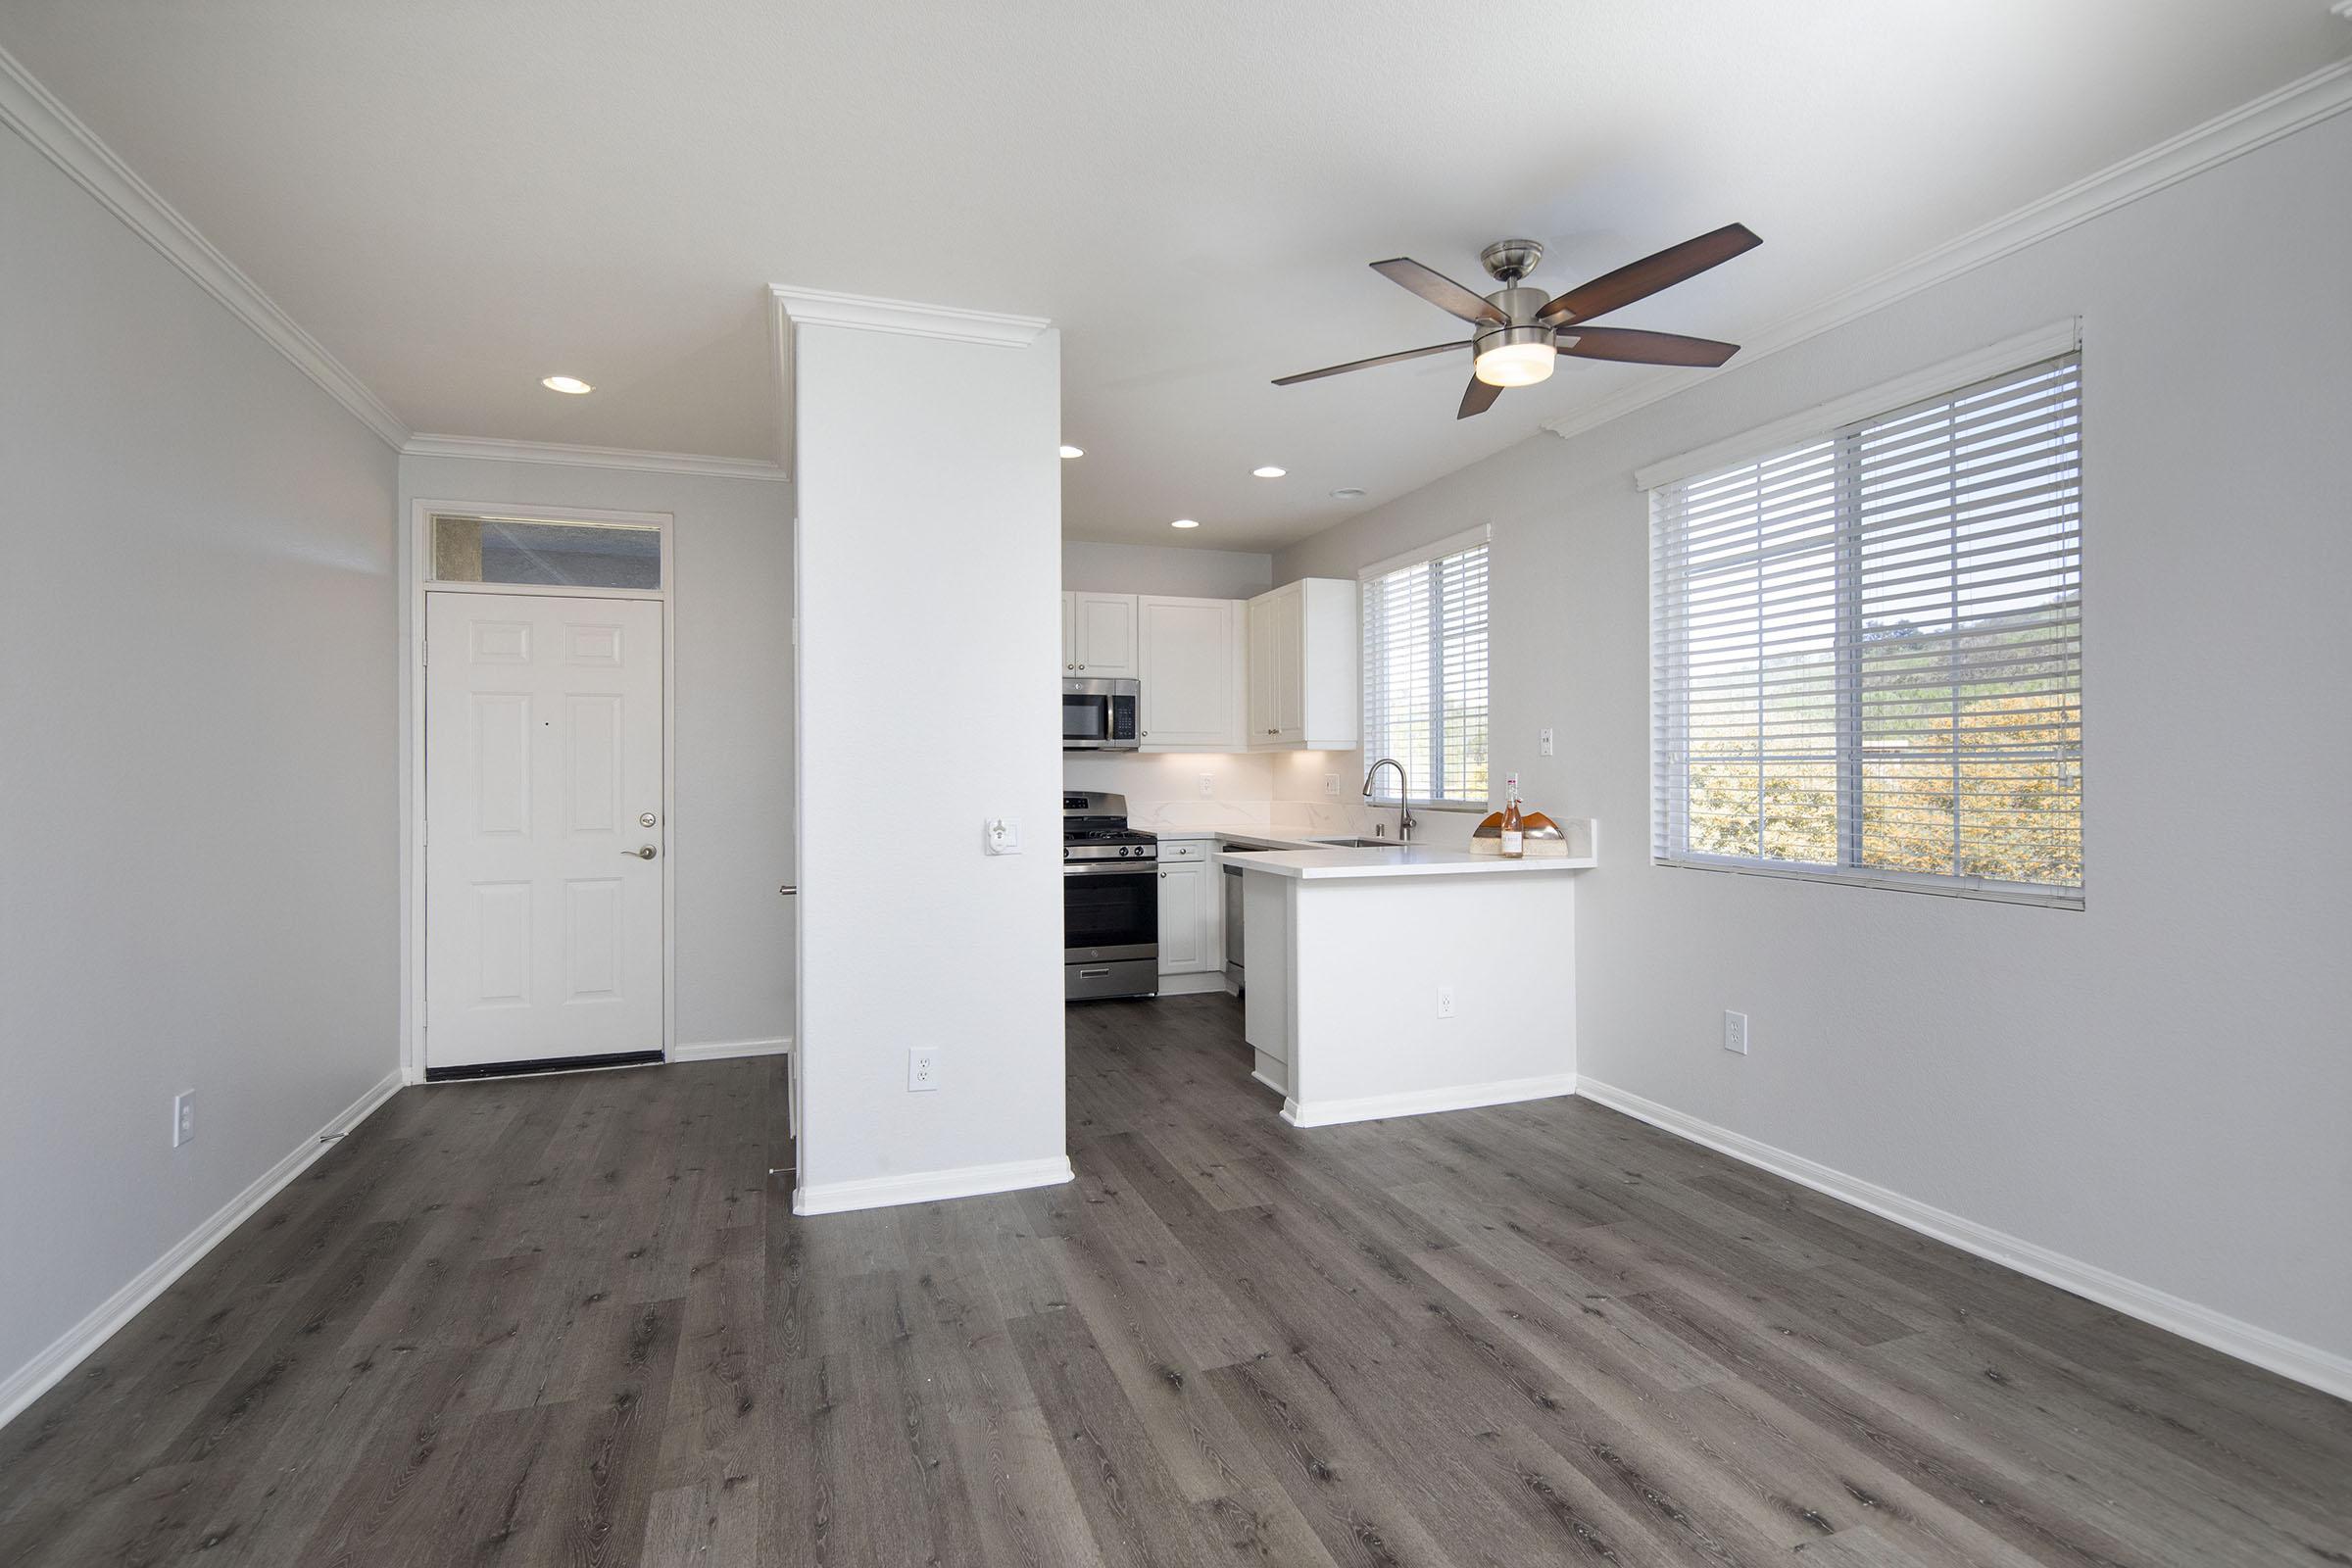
(543, 796)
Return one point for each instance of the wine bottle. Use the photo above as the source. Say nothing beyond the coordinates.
(1514, 833)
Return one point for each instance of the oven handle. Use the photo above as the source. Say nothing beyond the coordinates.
(1093, 974)
(1111, 868)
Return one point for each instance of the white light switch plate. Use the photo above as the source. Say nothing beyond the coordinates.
(1003, 835)
(1544, 742)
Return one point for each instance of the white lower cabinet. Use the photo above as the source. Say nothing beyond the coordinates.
(1191, 912)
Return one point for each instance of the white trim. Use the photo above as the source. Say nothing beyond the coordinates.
(489, 451)
(33, 113)
(1823, 419)
(722, 1050)
(2305, 102)
(1199, 984)
(43, 1372)
(931, 1185)
(1439, 550)
(415, 563)
(815, 306)
(1422, 1102)
(2305, 1363)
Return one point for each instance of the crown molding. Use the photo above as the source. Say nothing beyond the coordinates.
(813, 307)
(34, 113)
(2304, 102)
(485, 450)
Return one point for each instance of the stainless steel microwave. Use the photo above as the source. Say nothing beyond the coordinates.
(1101, 716)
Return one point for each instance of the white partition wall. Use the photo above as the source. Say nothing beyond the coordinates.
(929, 544)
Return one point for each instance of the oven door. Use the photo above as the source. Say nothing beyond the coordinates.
(1109, 911)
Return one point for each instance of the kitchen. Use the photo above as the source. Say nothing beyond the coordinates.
(1227, 831)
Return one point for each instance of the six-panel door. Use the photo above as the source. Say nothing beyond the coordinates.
(543, 762)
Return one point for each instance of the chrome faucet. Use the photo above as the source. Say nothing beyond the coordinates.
(1404, 811)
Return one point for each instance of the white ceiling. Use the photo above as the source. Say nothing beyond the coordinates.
(457, 198)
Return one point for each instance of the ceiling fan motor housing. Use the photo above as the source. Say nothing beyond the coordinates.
(1520, 305)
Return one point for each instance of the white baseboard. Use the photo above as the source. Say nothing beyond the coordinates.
(1190, 985)
(721, 1050)
(1422, 1102)
(39, 1375)
(930, 1186)
(2305, 1363)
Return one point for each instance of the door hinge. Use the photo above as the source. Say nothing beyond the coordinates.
(428, 830)
(426, 653)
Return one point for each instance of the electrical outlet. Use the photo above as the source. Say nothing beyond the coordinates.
(1544, 742)
(1445, 1002)
(922, 1070)
(1734, 1032)
(1331, 785)
(1209, 786)
(1002, 835)
(183, 1117)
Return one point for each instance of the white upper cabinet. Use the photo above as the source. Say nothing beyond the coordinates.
(1304, 667)
(1190, 659)
(1098, 634)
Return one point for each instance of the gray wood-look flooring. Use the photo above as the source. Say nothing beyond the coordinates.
(570, 1320)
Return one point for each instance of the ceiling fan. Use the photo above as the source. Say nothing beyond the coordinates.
(1520, 332)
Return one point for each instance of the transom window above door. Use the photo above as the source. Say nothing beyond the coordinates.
(568, 554)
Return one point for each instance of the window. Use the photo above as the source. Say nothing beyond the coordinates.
(1425, 671)
(579, 555)
(1867, 649)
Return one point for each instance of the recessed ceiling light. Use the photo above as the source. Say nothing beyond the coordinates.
(1069, 451)
(567, 383)
(1269, 471)
(1183, 522)
(1349, 494)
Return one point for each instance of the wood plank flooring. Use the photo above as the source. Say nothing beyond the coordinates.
(570, 1320)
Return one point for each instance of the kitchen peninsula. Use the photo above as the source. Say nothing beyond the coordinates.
(1394, 981)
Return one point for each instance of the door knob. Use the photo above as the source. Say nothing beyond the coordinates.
(643, 851)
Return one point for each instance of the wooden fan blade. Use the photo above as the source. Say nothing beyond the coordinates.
(1440, 290)
(1476, 397)
(1642, 348)
(1644, 277)
(1377, 358)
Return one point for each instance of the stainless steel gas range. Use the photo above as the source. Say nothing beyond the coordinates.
(1110, 901)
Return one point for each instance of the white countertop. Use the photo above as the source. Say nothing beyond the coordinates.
(1328, 861)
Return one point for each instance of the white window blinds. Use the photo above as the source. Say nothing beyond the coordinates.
(1425, 673)
(1868, 648)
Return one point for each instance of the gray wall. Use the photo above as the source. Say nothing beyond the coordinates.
(197, 695)
(2160, 1085)
(1162, 569)
(730, 828)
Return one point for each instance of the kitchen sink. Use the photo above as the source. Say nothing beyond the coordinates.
(1364, 844)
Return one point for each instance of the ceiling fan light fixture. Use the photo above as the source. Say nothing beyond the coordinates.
(1519, 356)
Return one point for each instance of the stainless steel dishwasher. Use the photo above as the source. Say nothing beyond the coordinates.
(1233, 911)
(1233, 926)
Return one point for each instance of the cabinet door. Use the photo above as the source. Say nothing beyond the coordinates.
(1187, 941)
(1186, 653)
(1290, 670)
(1277, 670)
(1264, 659)
(1069, 634)
(1105, 634)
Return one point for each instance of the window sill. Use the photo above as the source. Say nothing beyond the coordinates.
(2053, 898)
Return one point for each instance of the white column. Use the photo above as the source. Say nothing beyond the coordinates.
(928, 583)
